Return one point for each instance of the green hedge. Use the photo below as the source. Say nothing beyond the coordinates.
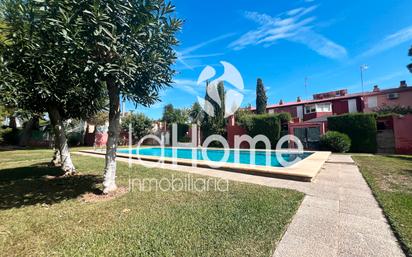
(361, 129)
(182, 129)
(335, 141)
(263, 124)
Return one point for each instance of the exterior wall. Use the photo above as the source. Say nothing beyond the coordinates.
(235, 130)
(100, 138)
(290, 109)
(405, 99)
(314, 115)
(340, 107)
(403, 134)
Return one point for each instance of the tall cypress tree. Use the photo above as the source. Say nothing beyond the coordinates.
(216, 124)
(261, 98)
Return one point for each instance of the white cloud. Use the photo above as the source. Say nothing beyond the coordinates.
(392, 40)
(189, 60)
(189, 86)
(293, 26)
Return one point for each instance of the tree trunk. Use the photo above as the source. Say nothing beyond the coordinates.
(61, 141)
(56, 161)
(109, 182)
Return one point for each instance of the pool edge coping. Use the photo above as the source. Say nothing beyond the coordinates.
(304, 170)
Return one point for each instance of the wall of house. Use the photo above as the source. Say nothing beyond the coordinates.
(405, 99)
(314, 115)
(402, 126)
(235, 130)
(290, 109)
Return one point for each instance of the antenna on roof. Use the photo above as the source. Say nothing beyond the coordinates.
(363, 67)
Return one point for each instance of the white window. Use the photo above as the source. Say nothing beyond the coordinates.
(324, 107)
(271, 111)
(372, 101)
(352, 106)
(299, 111)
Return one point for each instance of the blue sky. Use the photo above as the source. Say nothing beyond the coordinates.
(283, 42)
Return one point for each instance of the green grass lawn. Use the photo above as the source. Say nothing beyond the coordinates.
(44, 217)
(390, 178)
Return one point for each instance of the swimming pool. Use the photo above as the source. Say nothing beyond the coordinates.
(216, 155)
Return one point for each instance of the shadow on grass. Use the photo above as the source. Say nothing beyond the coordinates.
(38, 184)
(401, 157)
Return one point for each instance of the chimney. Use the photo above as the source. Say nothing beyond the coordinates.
(403, 84)
(280, 102)
(298, 99)
(376, 88)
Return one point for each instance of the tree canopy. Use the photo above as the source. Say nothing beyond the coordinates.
(175, 115)
(41, 65)
(215, 124)
(129, 46)
(141, 124)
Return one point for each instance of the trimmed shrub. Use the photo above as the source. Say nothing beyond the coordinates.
(335, 141)
(263, 124)
(361, 129)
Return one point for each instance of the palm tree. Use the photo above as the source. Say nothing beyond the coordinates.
(197, 116)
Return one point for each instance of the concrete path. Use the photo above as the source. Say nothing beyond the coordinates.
(338, 217)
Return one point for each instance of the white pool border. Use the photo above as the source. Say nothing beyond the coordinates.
(304, 170)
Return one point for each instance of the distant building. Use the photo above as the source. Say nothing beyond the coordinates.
(309, 117)
(340, 102)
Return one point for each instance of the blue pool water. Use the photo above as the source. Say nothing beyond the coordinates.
(217, 155)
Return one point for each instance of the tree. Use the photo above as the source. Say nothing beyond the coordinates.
(175, 115)
(42, 68)
(130, 51)
(216, 123)
(261, 98)
(196, 114)
(141, 124)
(410, 54)
(99, 119)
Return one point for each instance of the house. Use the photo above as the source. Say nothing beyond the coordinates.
(309, 117)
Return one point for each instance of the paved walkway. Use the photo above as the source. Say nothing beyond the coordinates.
(338, 217)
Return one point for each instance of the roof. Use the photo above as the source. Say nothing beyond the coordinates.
(348, 96)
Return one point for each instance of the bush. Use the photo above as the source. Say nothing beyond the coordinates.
(263, 124)
(74, 138)
(9, 136)
(361, 129)
(141, 125)
(335, 141)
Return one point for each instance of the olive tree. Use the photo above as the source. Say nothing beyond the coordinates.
(130, 51)
(42, 67)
